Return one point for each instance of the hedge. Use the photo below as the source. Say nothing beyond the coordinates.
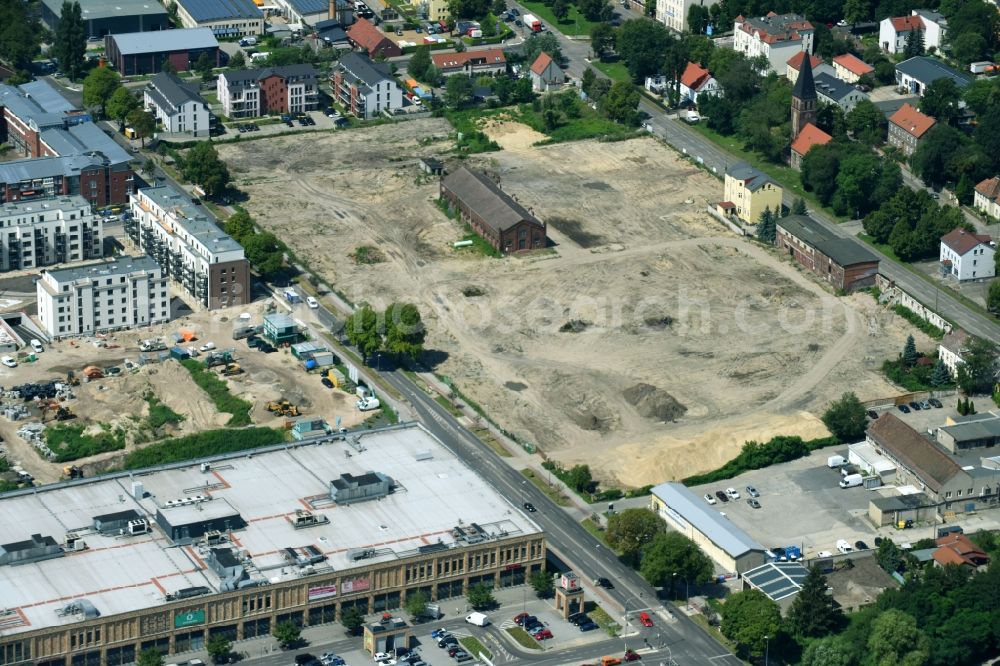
(755, 455)
(202, 444)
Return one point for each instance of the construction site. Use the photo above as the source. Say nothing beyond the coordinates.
(647, 341)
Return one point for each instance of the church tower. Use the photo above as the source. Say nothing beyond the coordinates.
(803, 98)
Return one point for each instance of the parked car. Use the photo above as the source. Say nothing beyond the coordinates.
(872, 414)
(525, 618)
(722, 496)
(36, 346)
(754, 504)
(379, 656)
(9, 361)
(709, 499)
(520, 617)
(208, 346)
(447, 641)
(533, 626)
(438, 634)
(325, 381)
(860, 545)
(903, 408)
(305, 659)
(752, 491)
(824, 553)
(935, 403)
(732, 494)
(925, 405)
(575, 618)
(543, 634)
(588, 626)
(529, 507)
(915, 406)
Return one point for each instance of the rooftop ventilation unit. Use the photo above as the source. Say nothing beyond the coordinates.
(304, 518)
(360, 554)
(186, 501)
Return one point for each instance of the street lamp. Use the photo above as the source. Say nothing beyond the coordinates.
(767, 645)
(629, 600)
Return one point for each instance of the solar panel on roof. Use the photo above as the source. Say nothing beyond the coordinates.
(212, 10)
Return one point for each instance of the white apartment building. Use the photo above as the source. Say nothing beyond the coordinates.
(42, 232)
(366, 88)
(189, 247)
(674, 13)
(967, 256)
(894, 31)
(250, 93)
(107, 296)
(178, 107)
(775, 37)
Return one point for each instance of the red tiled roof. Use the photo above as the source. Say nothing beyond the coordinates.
(912, 121)
(541, 63)
(990, 188)
(945, 556)
(727, 204)
(961, 241)
(810, 136)
(907, 23)
(959, 549)
(795, 62)
(854, 64)
(694, 76)
(367, 36)
(452, 60)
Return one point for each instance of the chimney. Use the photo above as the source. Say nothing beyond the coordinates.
(333, 9)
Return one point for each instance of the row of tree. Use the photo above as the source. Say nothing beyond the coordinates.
(262, 248)
(850, 177)
(398, 331)
(910, 222)
(20, 36)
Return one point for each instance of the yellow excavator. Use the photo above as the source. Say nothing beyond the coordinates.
(232, 369)
(283, 408)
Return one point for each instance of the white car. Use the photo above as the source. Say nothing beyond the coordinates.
(37, 347)
(732, 494)
(709, 498)
(312, 302)
(8, 361)
(379, 656)
(207, 347)
(824, 553)
(193, 351)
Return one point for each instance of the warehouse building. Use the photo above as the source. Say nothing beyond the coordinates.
(729, 546)
(137, 53)
(225, 18)
(103, 297)
(106, 17)
(190, 248)
(169, 557)
(48, 231)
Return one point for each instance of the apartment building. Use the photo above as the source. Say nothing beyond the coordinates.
(107, 296)
(674, 13)
(178, 106)
(190, 249)
(776, 37)
(366, 88)
(43, 232)
(94, 177)
(250, 93)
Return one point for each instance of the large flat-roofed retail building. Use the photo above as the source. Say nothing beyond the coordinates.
(166, 558)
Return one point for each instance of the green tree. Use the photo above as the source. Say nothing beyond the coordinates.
(671, 556)
(167, 67)
(458, 91)
(940, 100)
(416, 604)
(914, 44)
(889, 556)
(239, 226)
(595, 10)
(643, 45)
(986, 136)
(845, 418)
(545, 42)
(602, 39)
(830, 651)
(598, 90)
(698, 19)
(814, 613)
(362, 331)
(237, 61)
(750, 620)
(968, 47)
(69, 44)
(144, 125)
(203, 66)
(896, 641)
(287, 634)
(202, 166)
(766, 230)
(560, 10)
(982, 95)
(404, 331)
(265, 252)
(579, 478)
(910, 355)
(420, 62)
(99, 86)
(120, 104)
(499, 7)
(587, 80)
(621, 104)
(977, 371)
(150, 657)
(631, 529)
(858, 11)
(965, 190)
(20, 34)
(940, 375)
(867, 123)
(799, 206)
(993, 297)
(480, 596)
(820, 167)
(219, 649)
(542, 583)
(352, 619)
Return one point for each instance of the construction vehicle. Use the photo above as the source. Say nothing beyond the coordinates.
(283, 408)
(72, 472)
(223, 357)
(152, 344)
(72, 379)
(231, 369)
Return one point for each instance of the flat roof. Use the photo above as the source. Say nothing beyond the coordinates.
(213, 10)
(435, 496)
(777, 580)
(121, 266)
(83, 139)
(99, 9)
(163, 41)
(973, 430)
(43, 205)
(706, 520)
(191, 218)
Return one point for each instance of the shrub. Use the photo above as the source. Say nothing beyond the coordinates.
(202, 444)
(218, 391)
(755, 455)
(69, 442)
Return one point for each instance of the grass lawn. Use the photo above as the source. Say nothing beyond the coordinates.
(540, 483)
(447, 404)
(523, 638)
(474, 647)
(575, 23)
(604, 621)
(589, 125)
(616, 71)
(593, 528)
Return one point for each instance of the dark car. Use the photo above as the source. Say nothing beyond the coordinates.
(903, 408)
(524, 618)
(754, 504)
(935, 403)
(575, 618)
(302, 659)
(878, 541)
(452, 651)
(529, 507)
(860, 545)
(326, 382)
(872, 414)
(588, 626)
(915, 406)
(447, 641)
(632, 655)
(605, 583)
(722, 496)
(533, 626)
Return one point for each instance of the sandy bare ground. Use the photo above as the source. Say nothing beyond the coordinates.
(648, 341)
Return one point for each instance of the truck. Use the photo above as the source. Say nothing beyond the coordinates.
(366, 404)
(531, 21)
(981, 67)
(851, 481)
(151, 345)
(478, 619)
(241, 332)
(833, 462)
(248, 41)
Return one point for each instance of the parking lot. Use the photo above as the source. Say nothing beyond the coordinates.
(928, 419)
(268, 127)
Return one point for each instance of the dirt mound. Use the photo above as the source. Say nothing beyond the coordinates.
(654, 403)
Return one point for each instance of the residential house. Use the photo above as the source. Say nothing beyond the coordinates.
(472, 63)
(250, 93)
(776, 37)
(843, 262)
(950, 349)
(177, 106)
(695, 81)
(364, 35)
(42, 232)
(831, 90)
(958, 549)
(809, 136)
(794, 65)
(438, 11)
(907, 128)
(674, 13)
(893, 32)
(494, 215)
(137, 53)
(225, 18)
(987, 197)
(850, 68)
(108, 296)
(751, 192)
(917, 73)
(103, 17)
(366, 88)
(545, 73)
(966, 255)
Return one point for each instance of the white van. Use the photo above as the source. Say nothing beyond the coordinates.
(852, 481)
(36, 346)
(478, 619)
(844, 547)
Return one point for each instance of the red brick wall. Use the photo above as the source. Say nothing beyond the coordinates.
(235, 276)
(274, 95)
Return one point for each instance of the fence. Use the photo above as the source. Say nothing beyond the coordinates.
(722, 218)
(893, 295)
